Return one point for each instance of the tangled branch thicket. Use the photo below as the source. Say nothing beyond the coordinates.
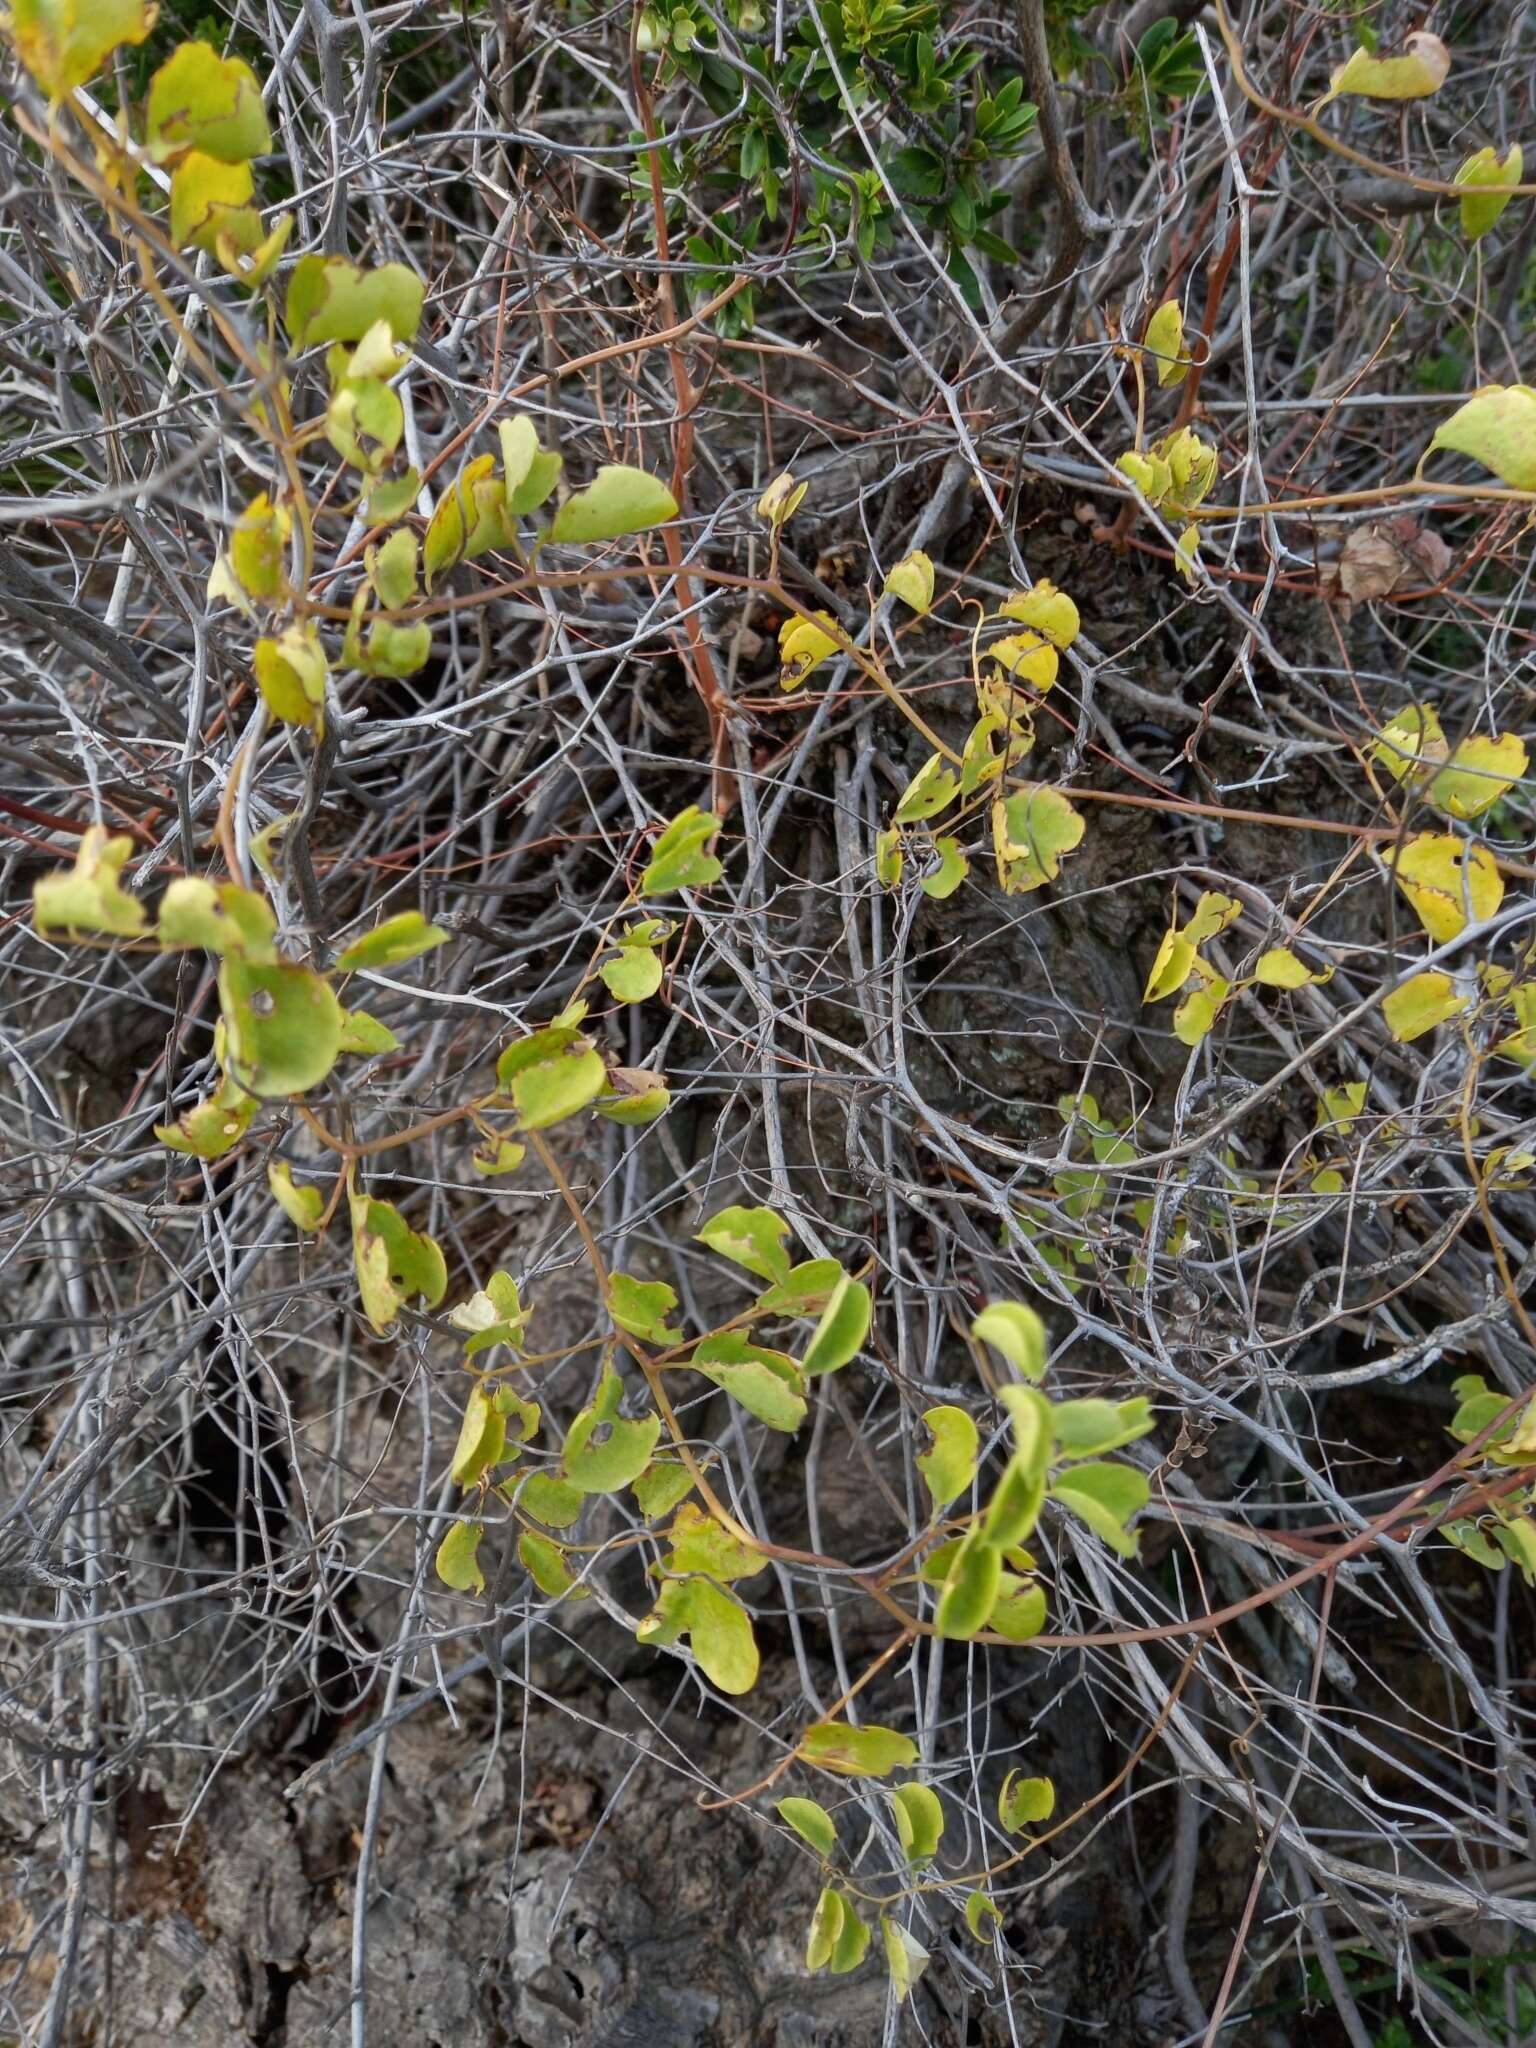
(267, 1780)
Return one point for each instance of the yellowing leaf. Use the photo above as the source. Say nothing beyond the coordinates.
(1030, 657)
(1419, 71)
(870, 1752)
(803, 645)
(1496, 427)
(642, 1306)
(1018, 1333)
(619, 500)
(1422, 1002)
(545, 1563)
(214, 1126)
(1045, 609)
(519, 439)
(930, 791)
(912, 581)
(949, 1465)
(1031, 830)
(1198, 1012)
(206, 195)
(257, 546)
(718, 1628)
(89, 897)
(1280, 968)
(493, 1315)
(393, 1261)
(1164, 341)
(1024, 1801)
(779, 502)
(482, 1439)
(890, 857)
(1520, 1045)
(981, 1916)
(697, 1543)
(200, 100)
(65, 42)
(549, 1091)
(1480, 771)
(291, 672)
(1487, 181)
(1411, 745)
(1447, 881)
(303, 1206)
(1212, 914)
(1173, 966)
(220, 917)
(905, 1956)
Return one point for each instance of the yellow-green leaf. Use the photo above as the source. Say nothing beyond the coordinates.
(890, 857)
(330, 299)
(981, 1916)
(596, 1463)
(221, 917)
(284, 1025)
(949, 1465)
(1197, 1014)
(1164, 341)
(1419, 71)
(1173, 966)
(1024, 1802)
(1031, 831)
(768, 1384)
(303, 1206)
(843, 1327)
(549, 1092)
(214, 1126)
(951, 872)
(89, 897)
(642, 1306)
(678, 859)
(397, 939)
(457, 1564)
(1280, 968)
(207, 196)
(619, 500)
(1028, 657)
(363, 1033)
(919, 1822)
(811, 1822)
(870, 1752)
(482, 1439)
(970, 1589)
(754, 1238)
(660, 1487)
(291, 672)
(200, 100)
(1015, 1330)
(1488, 181)
(1105, 1496)
(1496, 427)
(717, 1626)
(393, 1261)
(697, 1543)
(545, 1563)
(932, 789)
